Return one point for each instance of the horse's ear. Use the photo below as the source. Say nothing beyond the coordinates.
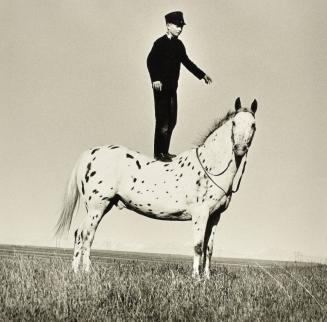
(238, 104)
(254, 106)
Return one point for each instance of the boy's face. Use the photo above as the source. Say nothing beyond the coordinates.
(174, 30)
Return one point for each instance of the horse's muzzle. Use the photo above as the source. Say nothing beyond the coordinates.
(240, 149)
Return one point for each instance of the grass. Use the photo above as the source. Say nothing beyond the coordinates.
(45, 289)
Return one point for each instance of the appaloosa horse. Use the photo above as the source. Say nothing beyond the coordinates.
(197, 185)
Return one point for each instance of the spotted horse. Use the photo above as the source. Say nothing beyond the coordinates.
(197, 185)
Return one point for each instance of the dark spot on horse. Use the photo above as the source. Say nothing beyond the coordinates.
(129, 156)
(197, 199)
(96, 216)
(77, 253)
(109, 146)
(87, 172)
(167, 192)
(180, 161)
(83, 191)
(132, 188)
(134, 180)
(182, 165)
(95, 150)
(199, 173)
(198, 249)
(75, 235)
(95, 191)
(200, 154)
(193, 168)
(189, 164)
(138, 164)
(88, 233)
(92, 173)
(114, 147)
(106, 198)
(142, 181)
(198, 183)
(161, 212)
(99, 182)
(211, 196)
(150, 210)
(181, 175)
(90, 198)
(94, 159)
(204, 160)
(111, 188)
(176, 201)
(130, 201)
(147, 163)
(195, 222)
(149, 204)
(166, 165)
(176, 187)
(139, 192)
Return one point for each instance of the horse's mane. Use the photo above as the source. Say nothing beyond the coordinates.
(216, 125)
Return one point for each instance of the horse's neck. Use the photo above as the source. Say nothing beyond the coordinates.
(218, 148)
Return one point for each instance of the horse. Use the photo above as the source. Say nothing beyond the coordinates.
(197, 185)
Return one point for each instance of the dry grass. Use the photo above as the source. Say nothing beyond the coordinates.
(41, 289)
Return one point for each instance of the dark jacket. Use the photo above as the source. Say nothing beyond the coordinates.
(164, 61)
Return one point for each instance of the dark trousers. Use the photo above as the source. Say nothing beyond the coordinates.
(165, 103)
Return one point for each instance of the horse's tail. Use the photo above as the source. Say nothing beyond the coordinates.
(71, 198)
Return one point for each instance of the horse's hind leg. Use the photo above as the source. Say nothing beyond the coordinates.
(84, 236)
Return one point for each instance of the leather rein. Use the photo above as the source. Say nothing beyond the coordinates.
(221, 173)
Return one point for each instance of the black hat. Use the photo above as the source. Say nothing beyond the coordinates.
(176, 18)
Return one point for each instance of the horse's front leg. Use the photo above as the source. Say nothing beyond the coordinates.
(200, 216)
(209, 240)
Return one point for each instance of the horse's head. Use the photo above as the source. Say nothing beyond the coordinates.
(243, 128)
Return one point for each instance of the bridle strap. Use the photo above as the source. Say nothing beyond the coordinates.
(209, 174)
(206, 172)
(239, 181)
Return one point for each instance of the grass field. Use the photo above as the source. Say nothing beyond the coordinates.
(43, 288)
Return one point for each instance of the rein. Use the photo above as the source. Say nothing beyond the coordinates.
(222, 172)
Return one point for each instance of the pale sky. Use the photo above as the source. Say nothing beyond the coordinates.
(73, 76)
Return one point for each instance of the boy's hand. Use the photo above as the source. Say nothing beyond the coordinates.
(157, 86)
(207, 79)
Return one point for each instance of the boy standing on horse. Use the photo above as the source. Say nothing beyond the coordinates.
(163, 62)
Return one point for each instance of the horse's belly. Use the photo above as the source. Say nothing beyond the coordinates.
(162, 209)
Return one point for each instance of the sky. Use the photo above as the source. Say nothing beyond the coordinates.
(73, 76)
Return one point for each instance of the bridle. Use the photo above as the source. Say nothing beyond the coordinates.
(210, 175)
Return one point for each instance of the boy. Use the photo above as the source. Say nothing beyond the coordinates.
(163, 62)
